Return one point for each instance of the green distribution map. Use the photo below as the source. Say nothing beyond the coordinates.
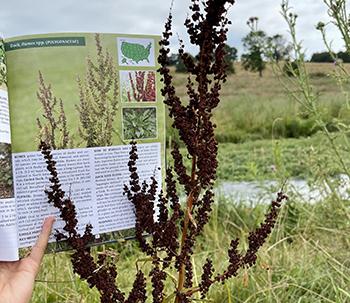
(135, 52)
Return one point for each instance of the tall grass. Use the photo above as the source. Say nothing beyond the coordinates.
(306, 259)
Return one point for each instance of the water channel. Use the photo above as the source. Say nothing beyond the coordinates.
(255, 192)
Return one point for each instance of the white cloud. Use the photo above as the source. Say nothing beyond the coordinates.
(22, 17)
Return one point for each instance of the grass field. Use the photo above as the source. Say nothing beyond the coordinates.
(265, 135)
(262, 135)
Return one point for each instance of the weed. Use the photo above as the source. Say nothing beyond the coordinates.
(54, 130)
(98, 99)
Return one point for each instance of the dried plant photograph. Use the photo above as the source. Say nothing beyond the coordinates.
(3, 68)
(140, 123)
(137, 86)
(97, 109)
(6, 180)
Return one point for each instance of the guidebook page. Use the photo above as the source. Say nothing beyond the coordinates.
(8, 227)
(94, 179)
(88, 96)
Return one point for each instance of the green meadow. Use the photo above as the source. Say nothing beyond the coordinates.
(254, 108)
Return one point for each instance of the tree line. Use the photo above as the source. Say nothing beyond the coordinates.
(259, 48)
(330, 57)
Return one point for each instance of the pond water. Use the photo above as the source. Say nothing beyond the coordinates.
(265, 191)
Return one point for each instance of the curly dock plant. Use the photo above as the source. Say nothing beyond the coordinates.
(98, 99)
(54, 129)
(173, 234)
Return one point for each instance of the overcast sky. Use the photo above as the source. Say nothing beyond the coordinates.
(22, 17)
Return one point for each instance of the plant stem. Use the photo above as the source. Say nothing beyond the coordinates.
(189, 204)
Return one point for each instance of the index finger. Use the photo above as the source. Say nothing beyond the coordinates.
(39, 248)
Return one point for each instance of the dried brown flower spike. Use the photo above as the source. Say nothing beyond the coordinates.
(173, 236)
(99, 274)
(98, 94)
(54, 128)
(192, 119)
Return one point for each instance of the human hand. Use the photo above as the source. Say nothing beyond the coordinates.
(17, 278)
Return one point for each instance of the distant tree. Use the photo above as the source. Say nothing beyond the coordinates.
(327, 57)
(173, 59)
(255, 44)
(321, 57)
(253, 61)
(278, 48)
(230, 58)
(180, 66)
(344, 56)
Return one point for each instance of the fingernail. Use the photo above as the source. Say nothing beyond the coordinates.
(48, 219)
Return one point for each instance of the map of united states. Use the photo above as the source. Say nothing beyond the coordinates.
(135, 52)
